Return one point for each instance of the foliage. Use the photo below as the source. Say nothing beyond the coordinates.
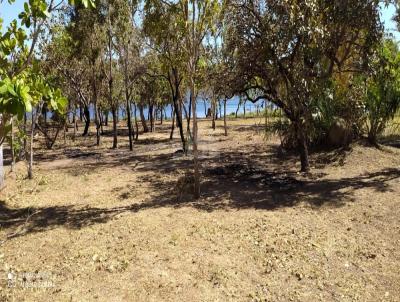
(287, 51)
(22, 85)
(382, 99)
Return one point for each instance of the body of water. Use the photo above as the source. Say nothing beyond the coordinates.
(232, 105)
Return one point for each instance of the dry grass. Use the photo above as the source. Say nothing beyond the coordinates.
(107, 226)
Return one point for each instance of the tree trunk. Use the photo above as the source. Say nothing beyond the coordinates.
(12, 145)
(35, 117)
(74, 121)
(225, 127)
(80, 113)
(136, 122)
(196, 164)
(101, 122)
(96, 115)
(128, 112)
(30, 163)
(237, 109)
(115, 137)
(106, 114)
(213, 113)
(189, 115)
(87, 120)
(302, 145)
(114, 108)
(44, 112)
(143, 120)
(151, 117)
(171, 136)
(178, 114)
(373, 133)
(25, 132)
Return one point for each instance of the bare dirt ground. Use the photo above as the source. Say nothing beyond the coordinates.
(98, 224)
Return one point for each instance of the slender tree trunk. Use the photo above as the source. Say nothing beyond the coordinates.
(238, 107)
(87, 120)
(128, 112)
(106, 114)
(151, 117)
(75, 122)
(30, 163)
(96, 116)
(194, 137)
(95, 99)
(189, 115)
(25, 132)
(225, 127)
(136, 122)
(192, 47)
(161, 115)
(35, 116)
(114, 108)
(213, 107)
(45, 115)
(143, 119)
(244, 109)
(171, 136)
(12, 145)
(178, 114)
(80, 113)
(115, 138)
(101, 121)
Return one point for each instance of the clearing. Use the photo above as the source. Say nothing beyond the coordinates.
(106, 225)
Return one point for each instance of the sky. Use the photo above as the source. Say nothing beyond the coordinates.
(9, 12)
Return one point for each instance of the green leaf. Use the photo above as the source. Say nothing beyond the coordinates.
(28, 106)
(3, 88)
(10, 89)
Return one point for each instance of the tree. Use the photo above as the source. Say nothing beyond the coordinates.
(16, 57)
(87, 31)
(285, 51)
(58, 61)
(128, 46)
(164, 29)
(382, 99)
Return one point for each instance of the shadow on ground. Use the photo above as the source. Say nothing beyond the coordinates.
(258, 189)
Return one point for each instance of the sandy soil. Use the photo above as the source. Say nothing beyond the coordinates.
(97, 224)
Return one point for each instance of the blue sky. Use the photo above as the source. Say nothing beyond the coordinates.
(9, 12)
